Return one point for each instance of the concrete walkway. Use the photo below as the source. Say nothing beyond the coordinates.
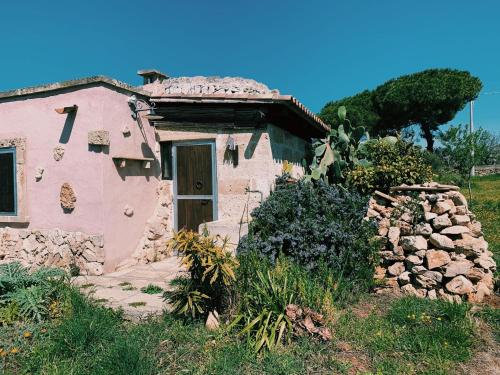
(122, 289)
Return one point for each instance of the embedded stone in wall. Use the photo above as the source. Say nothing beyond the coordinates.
(58, 153)
(98, 138)
(126, 131)
(128, 211)
(67, 197)
(39, 173)
(54, 247)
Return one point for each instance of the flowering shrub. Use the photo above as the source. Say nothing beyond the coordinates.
(314, 224)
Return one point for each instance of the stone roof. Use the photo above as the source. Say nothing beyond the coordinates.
(199, 85)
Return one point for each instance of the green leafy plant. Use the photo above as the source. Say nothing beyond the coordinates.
(392, 162)
(152, 289)
(212, 270)
(32, 294)
(262, 311)
(338, 152)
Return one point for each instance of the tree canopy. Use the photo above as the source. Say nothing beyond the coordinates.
(360, 107)
(429, 98)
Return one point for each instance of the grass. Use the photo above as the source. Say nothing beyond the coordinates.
(152, 289)
(137, 304)
(486, 205)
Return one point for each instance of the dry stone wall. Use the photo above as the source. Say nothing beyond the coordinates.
(431, 246)
(55, 247)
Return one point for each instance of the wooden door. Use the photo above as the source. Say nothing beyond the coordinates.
(195, 192)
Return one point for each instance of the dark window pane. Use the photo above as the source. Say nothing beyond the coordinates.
(166, 160)
(7, 182)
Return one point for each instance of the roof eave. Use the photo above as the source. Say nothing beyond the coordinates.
(75, 83)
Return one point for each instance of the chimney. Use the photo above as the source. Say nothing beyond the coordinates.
(152, 76)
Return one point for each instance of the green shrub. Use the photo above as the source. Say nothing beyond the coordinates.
(30, 296)
(152, 289)
(315, 224)
(393, 162)
(212, 270)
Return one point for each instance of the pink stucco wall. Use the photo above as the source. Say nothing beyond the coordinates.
(102, 189)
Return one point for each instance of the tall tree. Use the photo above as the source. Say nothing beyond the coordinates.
(429, 98)
(360, 108)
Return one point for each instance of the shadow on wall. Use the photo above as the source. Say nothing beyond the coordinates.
(285, 146)
(68, 127)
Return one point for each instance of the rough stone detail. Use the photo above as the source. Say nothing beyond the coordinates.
(153, 244)
(445, 254)
(67, 197)
(35, 248)
(58, 153)
(98, 138)
(39, 173)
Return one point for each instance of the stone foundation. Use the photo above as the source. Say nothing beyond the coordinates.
(54, 247)
(431, 246)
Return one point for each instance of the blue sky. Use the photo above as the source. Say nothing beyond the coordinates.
(314, 50)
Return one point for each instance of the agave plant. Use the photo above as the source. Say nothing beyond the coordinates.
(338, 152)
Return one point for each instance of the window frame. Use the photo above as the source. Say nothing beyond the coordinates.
(11, 150)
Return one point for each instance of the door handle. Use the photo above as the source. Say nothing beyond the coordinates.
(198, 185)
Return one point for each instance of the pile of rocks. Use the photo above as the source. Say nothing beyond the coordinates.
(431, 244)
(55, 247)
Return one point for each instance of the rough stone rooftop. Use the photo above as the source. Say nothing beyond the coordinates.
(200, 85)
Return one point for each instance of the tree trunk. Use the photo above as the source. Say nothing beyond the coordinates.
(427, 133)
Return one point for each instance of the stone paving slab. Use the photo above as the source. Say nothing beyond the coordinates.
(122, 289)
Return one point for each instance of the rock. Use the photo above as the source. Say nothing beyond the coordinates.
(423, 229)
(391, 282)
(418, 270)
(475, 228)
(459, 285)
(441, 222)
(396, 269)
(58, 153)
(372, 213)
(441, 241)
(67, 197)
(89, 255)
(407, 217)
(481, 291)
(460, 267)
(212, 322)
(379, 273)
(441, 207)
(405, 228)
(437, 258)
(98, 138)
(413, 243)
(404, 278)
(420, 253)
(431, 294)
(409, 290)
(38, 173)
(390, 256)
(430, 216)
(475, 274)
(428, 280)
(94, 268)
(413, 260)
(460, 219)
(461, 210)
(486, 262)
(457, 198)
(393, 237)
(470, 246)
(455, 230)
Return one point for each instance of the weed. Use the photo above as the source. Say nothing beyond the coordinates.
(152, 289)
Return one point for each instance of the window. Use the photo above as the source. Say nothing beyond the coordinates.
(8, 199)
(166, 160)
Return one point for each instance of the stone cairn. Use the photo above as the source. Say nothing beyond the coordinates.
(431, 244)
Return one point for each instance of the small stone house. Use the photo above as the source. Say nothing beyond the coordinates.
(96, 174)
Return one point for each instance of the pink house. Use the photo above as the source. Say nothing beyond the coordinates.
(96, 174)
